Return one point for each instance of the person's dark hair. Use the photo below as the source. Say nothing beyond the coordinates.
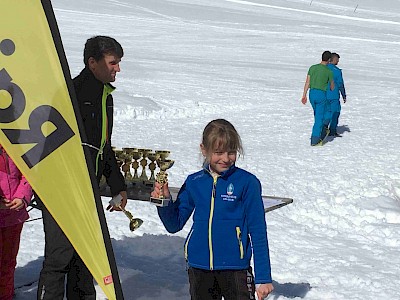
(221, 134)
(326, 55)
(335, 55)
(98, 46)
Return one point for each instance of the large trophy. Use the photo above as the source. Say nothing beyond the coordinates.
(134, 222)
(162, 177)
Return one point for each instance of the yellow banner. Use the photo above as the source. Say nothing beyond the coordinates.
(39, 130)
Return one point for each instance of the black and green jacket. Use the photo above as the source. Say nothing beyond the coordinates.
(96, 109)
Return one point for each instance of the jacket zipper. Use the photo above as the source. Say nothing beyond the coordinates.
(239, 237)
(187, 244)
(106, 91)
(210, 223)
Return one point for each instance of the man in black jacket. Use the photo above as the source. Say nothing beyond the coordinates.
(93, 90)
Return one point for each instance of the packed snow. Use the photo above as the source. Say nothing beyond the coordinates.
(188, 62)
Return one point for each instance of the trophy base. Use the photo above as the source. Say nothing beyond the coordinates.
(160, 202)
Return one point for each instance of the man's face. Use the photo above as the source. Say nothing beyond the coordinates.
(335, 60)
(106, 68)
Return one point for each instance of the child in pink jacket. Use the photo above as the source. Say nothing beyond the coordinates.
(15, 195)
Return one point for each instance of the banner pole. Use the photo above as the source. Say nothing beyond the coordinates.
(51, 19)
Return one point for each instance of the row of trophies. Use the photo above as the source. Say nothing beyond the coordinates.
(134, 159)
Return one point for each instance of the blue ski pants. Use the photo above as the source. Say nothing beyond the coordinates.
(335, 110)
(322, 114)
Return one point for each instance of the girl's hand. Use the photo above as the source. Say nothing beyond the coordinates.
(156, 193)
(264, 290)
(15, 204)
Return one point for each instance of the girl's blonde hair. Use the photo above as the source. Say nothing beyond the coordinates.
(221, 134)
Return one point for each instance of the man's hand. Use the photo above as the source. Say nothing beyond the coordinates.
(124, 200)
(264, 290)
(304, 99)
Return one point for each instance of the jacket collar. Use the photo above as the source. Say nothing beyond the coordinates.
(86, 73)
(206, 168)
(108, 88)
(334, 66)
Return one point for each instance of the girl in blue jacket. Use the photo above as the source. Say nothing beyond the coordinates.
(228, 222)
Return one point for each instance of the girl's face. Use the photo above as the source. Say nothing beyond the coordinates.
(220, 160)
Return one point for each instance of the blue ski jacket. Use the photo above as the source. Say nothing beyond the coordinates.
(339, 84)
(228, 222)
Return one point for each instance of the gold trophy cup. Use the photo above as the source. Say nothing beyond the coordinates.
(153, 157)
(135, 164)
(134, 223)
(162, 179)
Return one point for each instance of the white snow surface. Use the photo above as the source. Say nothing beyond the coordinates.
(188, 62)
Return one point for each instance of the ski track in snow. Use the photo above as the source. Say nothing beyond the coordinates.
(303, 11)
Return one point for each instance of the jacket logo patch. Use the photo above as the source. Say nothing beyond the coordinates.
(230, 189)
(229, 193)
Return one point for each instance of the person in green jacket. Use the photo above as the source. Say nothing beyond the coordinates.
(318, 78)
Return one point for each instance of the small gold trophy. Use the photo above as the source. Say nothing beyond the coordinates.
(134, 223)
(153, 157)
(135, 164)
(162, 177)
(143, 163)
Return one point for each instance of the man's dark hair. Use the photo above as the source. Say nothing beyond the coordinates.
(326, 55)
(98, 46)
(335, 55)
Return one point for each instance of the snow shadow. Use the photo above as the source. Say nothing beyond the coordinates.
(160, 269)
(289, 290)
(28, 275)
(149, 266)
(342, 129)
(152, 266)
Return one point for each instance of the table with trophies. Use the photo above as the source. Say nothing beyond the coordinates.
(142, 167)
(138, 167)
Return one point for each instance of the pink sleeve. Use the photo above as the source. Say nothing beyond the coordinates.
(24, 190)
